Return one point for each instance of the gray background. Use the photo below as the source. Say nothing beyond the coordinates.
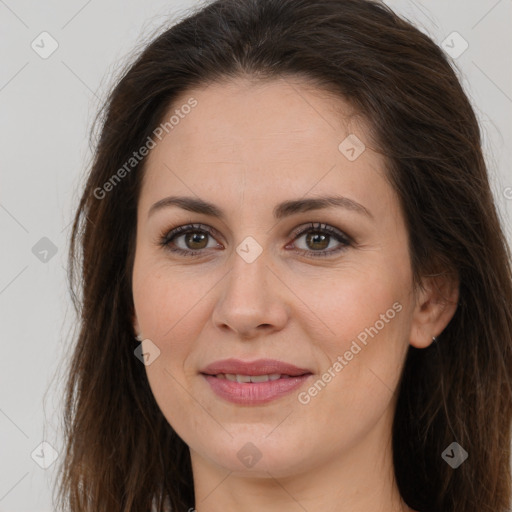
(47, 108)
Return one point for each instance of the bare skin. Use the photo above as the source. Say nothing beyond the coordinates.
(247, 147)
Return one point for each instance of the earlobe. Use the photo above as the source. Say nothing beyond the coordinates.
(136, 327)
(435, 306)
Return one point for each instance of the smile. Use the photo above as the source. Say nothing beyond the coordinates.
(254, 390)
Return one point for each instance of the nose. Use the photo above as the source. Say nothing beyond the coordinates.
(252, 301)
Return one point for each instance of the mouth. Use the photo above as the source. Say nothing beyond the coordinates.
(253, 383)
(236, 377)
(258, 368)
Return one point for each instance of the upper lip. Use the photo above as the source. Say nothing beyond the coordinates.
(257, 367)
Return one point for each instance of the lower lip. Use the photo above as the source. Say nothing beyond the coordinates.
(254, 393)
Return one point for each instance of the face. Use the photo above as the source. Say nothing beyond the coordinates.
(325, 288)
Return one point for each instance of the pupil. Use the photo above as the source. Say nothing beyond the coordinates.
(322, 237)
(196, 238)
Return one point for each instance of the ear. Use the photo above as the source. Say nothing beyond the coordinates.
(436, 303)
(136, 327)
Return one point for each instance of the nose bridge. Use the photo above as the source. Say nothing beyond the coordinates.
(248, 278)
(249, 299)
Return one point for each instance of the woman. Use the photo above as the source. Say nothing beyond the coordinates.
(295, 290)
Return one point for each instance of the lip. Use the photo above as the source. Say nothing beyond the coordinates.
(257, 367)
(254, 393)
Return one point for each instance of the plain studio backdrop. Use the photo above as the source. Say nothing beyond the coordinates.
(58, 60)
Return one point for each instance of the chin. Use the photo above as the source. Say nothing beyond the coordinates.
(256, 455)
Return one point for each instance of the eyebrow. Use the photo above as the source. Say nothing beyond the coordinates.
(282, 210)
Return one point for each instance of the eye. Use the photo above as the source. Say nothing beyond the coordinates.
(319, 237)
(194, 238)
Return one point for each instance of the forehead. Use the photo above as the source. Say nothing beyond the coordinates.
(242, 114)
(262, 137)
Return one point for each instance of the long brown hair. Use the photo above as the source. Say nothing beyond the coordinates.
(121, 453)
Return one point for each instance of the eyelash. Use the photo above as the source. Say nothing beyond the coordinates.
(167, 237)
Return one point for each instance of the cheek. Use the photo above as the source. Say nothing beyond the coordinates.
(352, 300)
(166, 316)
(163, 298)
(364, 320)
(168, 308)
